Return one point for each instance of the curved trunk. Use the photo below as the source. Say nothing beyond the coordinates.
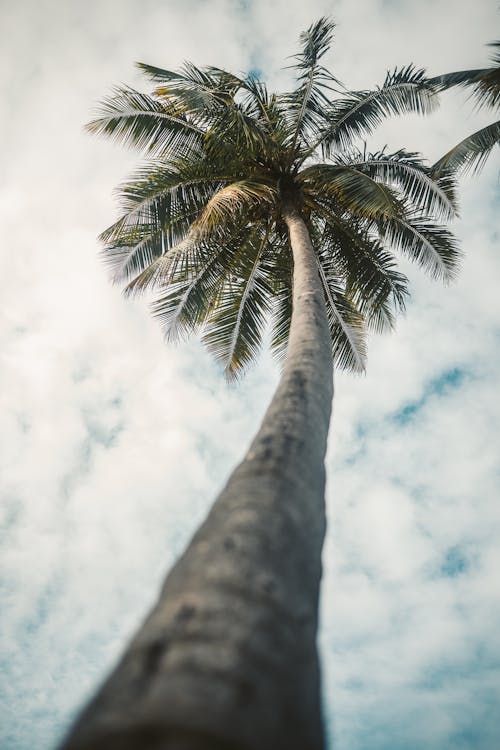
(228, 658)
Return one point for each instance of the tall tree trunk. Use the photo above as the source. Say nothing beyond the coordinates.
(227, 659)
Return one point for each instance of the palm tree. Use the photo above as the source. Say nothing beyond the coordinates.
(258, 206)
(472, 152)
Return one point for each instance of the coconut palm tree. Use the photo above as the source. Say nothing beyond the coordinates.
(472, 152)
(258, 207)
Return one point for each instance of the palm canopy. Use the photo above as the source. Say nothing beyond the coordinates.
(472, 152)
(202, 220)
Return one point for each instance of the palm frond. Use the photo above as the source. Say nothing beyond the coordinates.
(234, 330)
(369, 271)
(166, 196)
(231, 200)
(458, 78)
(431, 246)
(160, 271)
(139, 120)
(192, 289)
(346, 323)
(126, 260)
(239, 130)
(471, 153)
(355, 190)
(161, 204)
(315, 43)
(207, 96)
(196, 91)
(305, 105)
(426, 192)
(484, 82)
(360, 112)
(258, 104)
(280, 268)
(281, 319)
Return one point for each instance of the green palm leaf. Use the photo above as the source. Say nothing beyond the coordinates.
(207, 96)
(192, 289)
(346, 322)
(304, 106)
(141, 121)
(161, 271)
(193, 90)
(237, 198)
(258, 104)
(418, 185)
(471, 153)
(485, 82)
(281, 317)
(372, 280)
(360, 112)
(125, 261)
(234, 330)
(431, 246)
(169, 197)
(356, 191)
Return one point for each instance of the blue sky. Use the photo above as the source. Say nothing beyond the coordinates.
(113, 445)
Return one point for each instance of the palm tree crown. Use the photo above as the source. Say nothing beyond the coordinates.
(203, 224)
(472, 152)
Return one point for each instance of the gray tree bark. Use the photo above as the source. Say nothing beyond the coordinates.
(227, 659)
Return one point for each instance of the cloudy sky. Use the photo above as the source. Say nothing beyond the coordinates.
(113, 445)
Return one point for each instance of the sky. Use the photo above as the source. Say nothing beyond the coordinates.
(113, 444)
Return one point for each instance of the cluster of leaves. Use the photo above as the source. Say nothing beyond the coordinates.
(202, 221)
(472, 152)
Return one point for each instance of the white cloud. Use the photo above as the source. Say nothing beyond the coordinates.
(113, 445)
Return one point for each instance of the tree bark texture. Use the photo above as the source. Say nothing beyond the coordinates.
(227, 659)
